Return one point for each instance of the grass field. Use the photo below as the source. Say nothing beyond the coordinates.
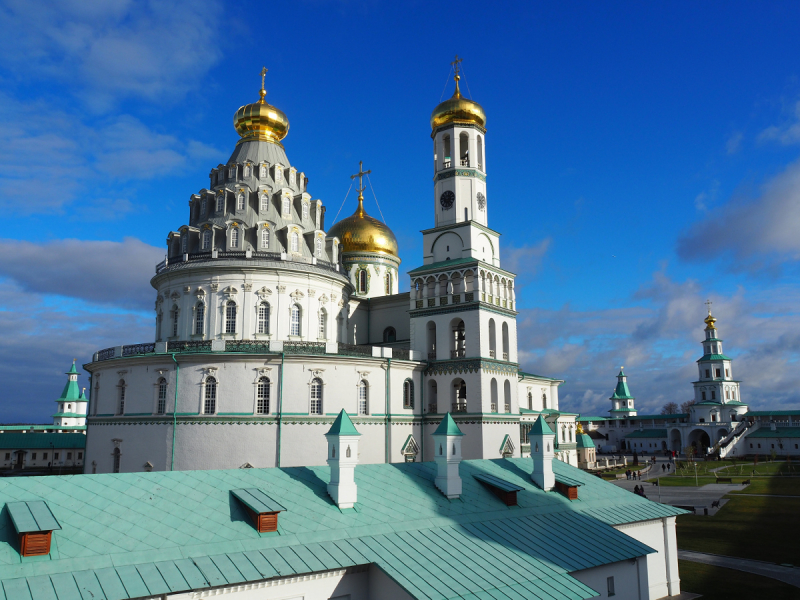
(717, 583)
(689, 481)
(762, 468)
(789, 486)
(757, 527)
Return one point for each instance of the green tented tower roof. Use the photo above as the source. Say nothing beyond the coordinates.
(540, 427)
(622, 391)
(343, 426)
(447, 427)
(71, 393)
(584, 440)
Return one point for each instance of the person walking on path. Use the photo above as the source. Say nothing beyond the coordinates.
(663, 467)
(639, 474)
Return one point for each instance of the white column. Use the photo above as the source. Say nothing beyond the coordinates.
(671, 556)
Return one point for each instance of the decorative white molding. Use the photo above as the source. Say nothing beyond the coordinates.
(281, 289)
(312, 292)
(214, 287)
(247, 286)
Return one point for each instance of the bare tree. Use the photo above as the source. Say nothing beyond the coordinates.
(670, 408)
(685, 406)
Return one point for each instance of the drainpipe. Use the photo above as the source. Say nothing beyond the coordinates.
(388, 398)
(174, 411)
(280, 410)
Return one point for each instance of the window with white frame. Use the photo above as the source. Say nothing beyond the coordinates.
(247, 170)
(388, 283)
(210, 401)
(207, 239)
(262, 396)
(265, 237)
(121, 400)
(316, 396)
(184, 243)
(220, 202)
(263, 171)
(203, 206)
(295, 242)
(199, 319)
(408, 394)
(286, 205)
(362, 281)
(264, 202)
(323, 324)
(240, 201)
(230, 317)
(263, 318)
(362, 397)
(161, 406)
(175, 321)
(235, 237)
(294, 326)
(305, 210)
(318, 248)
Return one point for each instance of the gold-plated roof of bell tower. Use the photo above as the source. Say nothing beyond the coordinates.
(458, 109)
(260, 121)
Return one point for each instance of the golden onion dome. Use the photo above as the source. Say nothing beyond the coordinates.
(458, 110)
(710, 321)
(361, 233)
(261, 122)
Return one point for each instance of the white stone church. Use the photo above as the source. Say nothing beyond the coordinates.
(268, 324)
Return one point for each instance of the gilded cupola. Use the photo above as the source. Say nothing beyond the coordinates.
(710, 321)
(261, 122)
(458, 109)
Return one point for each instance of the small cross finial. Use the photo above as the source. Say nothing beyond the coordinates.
(360, 175)
(263, 74)
(708, 303)
(456, 66)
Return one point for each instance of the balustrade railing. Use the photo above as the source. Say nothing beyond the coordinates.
(138, 349)
(105, 354)
(240, 254)
(491, 353)
(431, 355)
(469, 297)
(446, 163)
(432, 408)
(505, 355)
(255, 346)
(459, 353)
(354, 350)
(401, 353)
(493, 407)
(190, 346)
(460, 407)
(508, 408)
(306, 347)
(464, 162)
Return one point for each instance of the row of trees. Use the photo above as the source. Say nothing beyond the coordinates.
(672, 408)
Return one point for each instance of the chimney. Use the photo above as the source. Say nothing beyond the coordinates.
(342, 459)
(542, 440)
(447, 448)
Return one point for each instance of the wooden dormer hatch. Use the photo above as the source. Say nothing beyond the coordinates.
(505, 490)
(35, 525)
(567, 486)
(262, 509)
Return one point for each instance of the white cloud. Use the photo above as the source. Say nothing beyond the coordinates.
(112, 273)
(755, 233)
(734, 142)
(524, 261)
(786, 133)
(107, 49)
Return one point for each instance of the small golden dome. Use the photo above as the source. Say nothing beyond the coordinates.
(459, 110)
(260, 121)
(361, 233)
(709, 321)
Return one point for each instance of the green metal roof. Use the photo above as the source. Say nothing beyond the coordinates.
(500, 484)
(567, 480)
(443, 265)
(71, 393)
(770, 413)
(139, 534)
(648, 433)
(48, 427)
(622, 391)
(32, 516)
(707, 357)
(343, 426)
(583, 419)
(584, 440)
(257, 500)
(780, 432)
(540, 427)
(33, 441)
(525, 374)
(625, 410)
(447, 427)
(675, 416)
(69, 414)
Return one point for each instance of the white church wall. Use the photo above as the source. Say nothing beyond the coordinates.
(662, 568)
(389, 311)
(383, 587)
(626, 584)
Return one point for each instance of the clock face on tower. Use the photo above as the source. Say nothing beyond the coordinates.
(447, 200)
(481, 201)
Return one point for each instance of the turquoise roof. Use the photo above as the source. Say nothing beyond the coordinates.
(48, 427)
(447, 427)
(32, 516)
(706, 357)
(770, 413)
(675, 416)
(648, 433)
(622, 391)
(780, 432)
(71, 392)
(583, 419)
(584, 440)
(144, 534)
(540, 427)
(343, 426)
(497, 482)
(257, 500)
(33, 441)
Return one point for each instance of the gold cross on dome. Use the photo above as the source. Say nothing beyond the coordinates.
(456, 64)
(708, 303)
(360, 175)
(263, 74)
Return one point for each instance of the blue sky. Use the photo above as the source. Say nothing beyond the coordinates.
(641, 158)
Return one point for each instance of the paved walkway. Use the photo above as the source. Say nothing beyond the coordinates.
(790, 575)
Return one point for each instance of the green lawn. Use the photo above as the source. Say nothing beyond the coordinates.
(762, 468)
(757, 527)
(717, 583)
(789, 486)
(676, 480)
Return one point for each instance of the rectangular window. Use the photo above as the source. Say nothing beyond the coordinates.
(719, 372)
(708, 373)
(727, 373)
(713, 395)
(80, 455)
(8, 456)
(610, 584)
(264, 203)
(263, 397)
(199, 319)
(44, 455)
(55, 456)
(69, 455)
(33, 456)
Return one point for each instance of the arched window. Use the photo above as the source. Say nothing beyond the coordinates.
(463, 147)
(117, 455)
(733, 395)
(480, 153)
(493, 388)
(408, 394)
(203, 206)
(388, 283)
(263, 171)
(220, 202)
(323, 324)
(446, 154)
(247, 171)
(295, 242)
(492, 339)
(305, 210)
(362, 281)
(210, 404)
(240, 201)
(207, 239)
(264, 202)
(294, 327)
(200, 319)
(184, 243)
(286, 205)
(265, 237)
(235, 237)
(530, 400)
(161, 405)
(316, 396)
(505, 341)
(175, 321)
(230, 317)
(318, 248)
(563, 434)
(459, 348)
(544, 400)
(121, 403)
(389, 335)
(263, 318)
(362, 397)
(507, 396)
(262, 395)
(159, 320)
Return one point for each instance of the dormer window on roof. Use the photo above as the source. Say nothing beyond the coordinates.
(34, 524)
(505, 490)
(262, 509)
